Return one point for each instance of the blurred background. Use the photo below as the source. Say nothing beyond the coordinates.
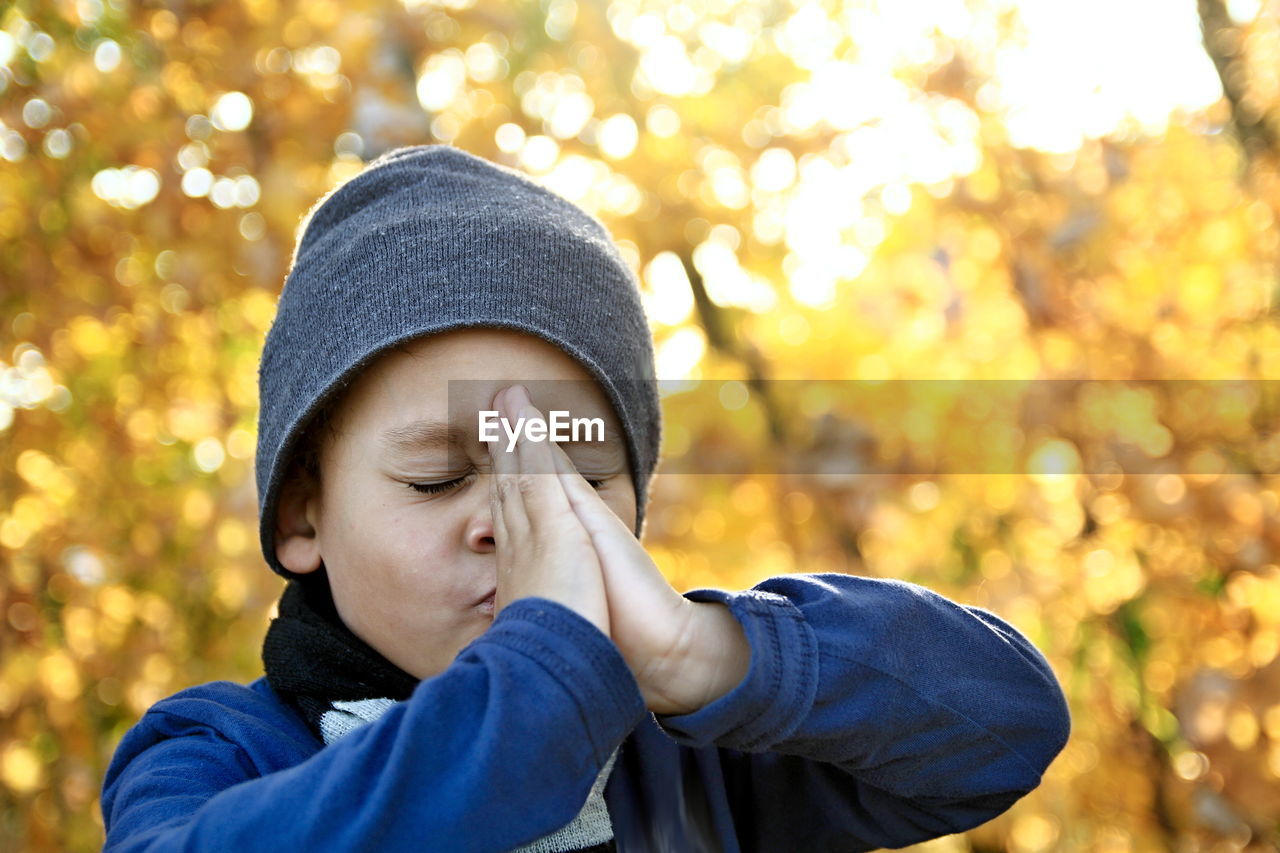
(850, 189)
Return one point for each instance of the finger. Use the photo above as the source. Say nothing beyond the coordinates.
(496, 514)
(544, 498)
(567, 472)
(601, 522)
(576, 489)
(563, 464)
(509, 506)
(504, 490)
(568, 475)
(591, 510)
(503, 462)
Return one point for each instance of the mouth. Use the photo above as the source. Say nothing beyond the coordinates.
(485, 605)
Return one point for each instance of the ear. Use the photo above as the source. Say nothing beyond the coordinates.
(297, 545)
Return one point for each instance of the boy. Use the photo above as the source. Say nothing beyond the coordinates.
(474, 652)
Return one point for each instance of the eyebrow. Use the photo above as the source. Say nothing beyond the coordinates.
(419, 434)
(425, 433)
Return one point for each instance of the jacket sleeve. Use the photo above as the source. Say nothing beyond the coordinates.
(874, 713)
(473, 736)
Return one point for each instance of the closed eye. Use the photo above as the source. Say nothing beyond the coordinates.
(437, 488)
(449, 485)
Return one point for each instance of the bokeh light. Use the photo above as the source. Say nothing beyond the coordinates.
(969, 190)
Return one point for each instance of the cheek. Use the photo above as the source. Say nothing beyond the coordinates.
(417, 537)
(394, 541)
(402, 572)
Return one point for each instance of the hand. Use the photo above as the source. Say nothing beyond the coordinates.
(684, 654)
(542, 548)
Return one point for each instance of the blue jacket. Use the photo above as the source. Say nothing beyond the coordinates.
(875, 713)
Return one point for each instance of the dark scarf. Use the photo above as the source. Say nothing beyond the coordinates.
(313, 660)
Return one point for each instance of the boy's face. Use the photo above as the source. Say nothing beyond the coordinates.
(413, 569)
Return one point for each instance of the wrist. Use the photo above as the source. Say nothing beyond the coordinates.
(714, 660)
(728, 650)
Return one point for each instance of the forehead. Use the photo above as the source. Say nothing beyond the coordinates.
(447, 378)
(425, 434)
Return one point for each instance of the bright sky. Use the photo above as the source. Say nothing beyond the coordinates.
(1084, 68)
(1088, 65)
(1078, 70)
(1073, 70)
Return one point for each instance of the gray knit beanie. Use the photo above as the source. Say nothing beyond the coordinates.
(430, 238)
